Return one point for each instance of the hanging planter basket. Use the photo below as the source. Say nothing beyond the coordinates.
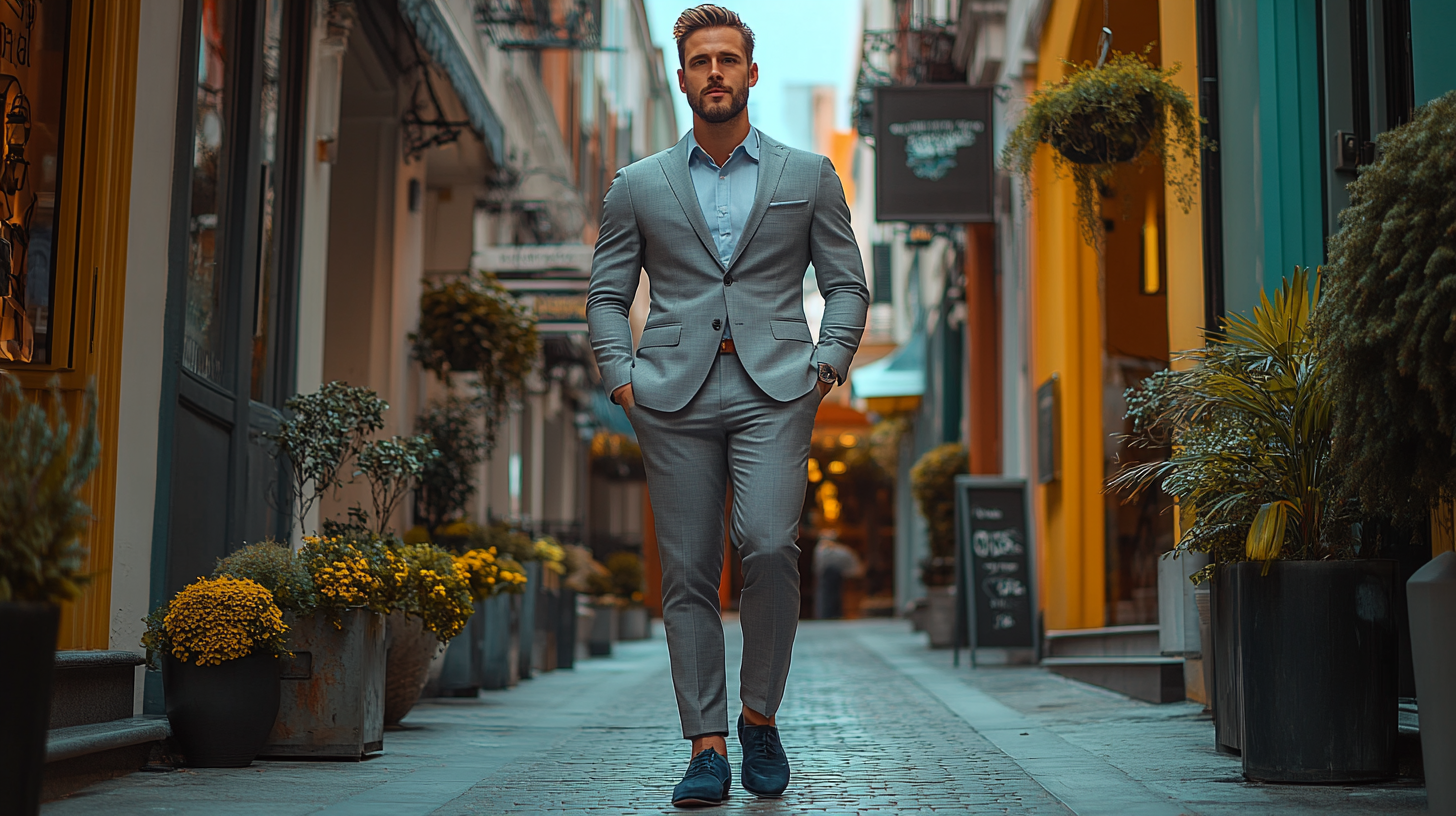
(1097, 138)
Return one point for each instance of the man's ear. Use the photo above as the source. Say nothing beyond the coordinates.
(682, 84)
(752, 74)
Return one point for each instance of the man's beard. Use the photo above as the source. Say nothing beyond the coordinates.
(723, 113)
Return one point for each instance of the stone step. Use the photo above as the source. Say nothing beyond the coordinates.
(1105, 640)
(1153, 678)
(93, 687)
(81, 755)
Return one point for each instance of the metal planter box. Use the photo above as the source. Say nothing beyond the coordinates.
(500, 646)
(544, 656)
(332, 701)
(1177, 613)
(526, 616)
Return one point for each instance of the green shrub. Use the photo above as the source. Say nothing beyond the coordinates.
(278, 569)
(448, 481)
(932, 482)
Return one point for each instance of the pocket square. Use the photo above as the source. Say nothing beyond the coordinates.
(788, 203)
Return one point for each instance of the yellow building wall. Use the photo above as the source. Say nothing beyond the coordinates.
(1179, 33)
(1067, 343)
(91, 273)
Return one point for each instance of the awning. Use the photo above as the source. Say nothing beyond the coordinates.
(901, 373)
(445, 41)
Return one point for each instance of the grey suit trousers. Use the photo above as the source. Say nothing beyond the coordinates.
(730, 429)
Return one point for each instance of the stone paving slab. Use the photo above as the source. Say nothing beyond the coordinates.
(874, 722)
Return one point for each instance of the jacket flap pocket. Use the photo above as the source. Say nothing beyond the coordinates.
(788, 203)
(790, 330)
(661, 336)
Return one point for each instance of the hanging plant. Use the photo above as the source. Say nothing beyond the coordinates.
(1096, 118)
(471, 324)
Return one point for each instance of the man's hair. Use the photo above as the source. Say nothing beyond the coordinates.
(709, 16)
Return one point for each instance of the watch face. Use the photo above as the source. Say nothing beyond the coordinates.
(826, 374)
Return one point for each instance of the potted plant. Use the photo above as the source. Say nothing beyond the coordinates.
(432, 604)
(44, 461)
(1386, 327)
(1097, 117)
(932, 482)
(470, 324)
(217, 642)
(465, 662)
(448, 481)
(1250, 430)
(626, 570)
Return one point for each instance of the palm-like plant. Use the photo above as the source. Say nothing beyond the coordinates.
(1249, 426)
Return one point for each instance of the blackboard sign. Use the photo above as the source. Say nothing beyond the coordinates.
(994, 567)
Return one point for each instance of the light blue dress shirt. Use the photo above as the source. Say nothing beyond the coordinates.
(725, 194)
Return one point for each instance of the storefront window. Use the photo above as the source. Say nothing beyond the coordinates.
(203, 345)
(32, 78)
(269, 115)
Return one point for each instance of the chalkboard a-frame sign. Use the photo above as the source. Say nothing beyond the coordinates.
(995, 573)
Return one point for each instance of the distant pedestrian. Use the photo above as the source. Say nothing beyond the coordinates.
(726, 380)
(833, 563)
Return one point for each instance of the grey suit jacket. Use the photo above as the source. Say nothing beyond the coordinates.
(651, 220)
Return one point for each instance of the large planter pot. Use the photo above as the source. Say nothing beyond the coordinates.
(604, 631)
(410, 648)
(634, 623)
(548, 610)
(333, 688)
(28, 642)
(1227, 691)
(460, 667)
(1318, 648)
(940, 616)
(1203, 602)
(566, 629)
(498, 657)
(1080, 141)
(221, 715)
(1431, 599)
(1177, 613)
(526, 621)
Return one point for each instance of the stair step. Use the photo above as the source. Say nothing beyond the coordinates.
(93, 738)
(93, 687)
(1104, 640)
(1153, 678)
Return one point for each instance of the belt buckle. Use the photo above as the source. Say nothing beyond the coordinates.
(726, 347)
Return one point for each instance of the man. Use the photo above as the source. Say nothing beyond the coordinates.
(726, 380)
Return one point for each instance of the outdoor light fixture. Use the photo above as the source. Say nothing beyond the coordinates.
(16, 170)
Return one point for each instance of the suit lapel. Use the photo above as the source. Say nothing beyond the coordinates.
(675, 167)
(771, 160)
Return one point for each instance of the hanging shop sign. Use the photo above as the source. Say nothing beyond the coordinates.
(549, 278)
(33, 38)
(994, 570)
(933, 154)
(534, 258)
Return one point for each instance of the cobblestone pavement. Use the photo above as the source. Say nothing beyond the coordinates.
(874, 723)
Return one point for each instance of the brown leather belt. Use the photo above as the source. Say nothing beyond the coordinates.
(726, 347)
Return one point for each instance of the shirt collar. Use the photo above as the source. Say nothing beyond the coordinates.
(749, 146)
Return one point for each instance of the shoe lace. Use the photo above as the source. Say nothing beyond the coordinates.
(703, 761)
(768, 743)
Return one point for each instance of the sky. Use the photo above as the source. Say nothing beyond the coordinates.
(796, 42)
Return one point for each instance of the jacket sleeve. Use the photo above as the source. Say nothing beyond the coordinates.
(616, 270)
(840, 272)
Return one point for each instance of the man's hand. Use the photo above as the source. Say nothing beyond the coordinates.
(624, 398)
(824, 388)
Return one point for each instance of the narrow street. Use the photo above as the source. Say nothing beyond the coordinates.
(874, 723)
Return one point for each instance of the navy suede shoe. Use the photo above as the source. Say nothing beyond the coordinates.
(765, 767)
(706, 783)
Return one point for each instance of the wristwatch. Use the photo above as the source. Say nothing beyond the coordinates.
(827, 374)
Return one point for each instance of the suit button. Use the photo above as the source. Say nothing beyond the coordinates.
(717, 324)
(727, 280)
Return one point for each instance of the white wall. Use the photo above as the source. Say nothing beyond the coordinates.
(141, 341)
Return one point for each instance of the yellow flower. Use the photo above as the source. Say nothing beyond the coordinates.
(219, 619)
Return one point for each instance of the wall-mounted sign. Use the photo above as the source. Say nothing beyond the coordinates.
(534, 258)
(559, 302)
(933, 154)
(994, 572)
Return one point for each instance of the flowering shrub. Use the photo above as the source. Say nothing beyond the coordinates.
(626, 572)
(551, 555)
(489, 574)
(213, 620)
(352, 570)
(431, 585)
(275, 566)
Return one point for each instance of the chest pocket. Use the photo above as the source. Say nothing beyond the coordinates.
(790, 330)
